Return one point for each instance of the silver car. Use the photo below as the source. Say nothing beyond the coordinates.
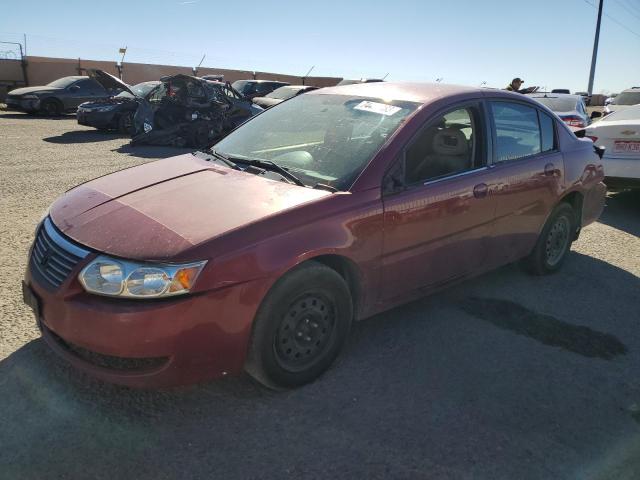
(570, 108)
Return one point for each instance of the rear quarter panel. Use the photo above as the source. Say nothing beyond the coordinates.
(584, 173)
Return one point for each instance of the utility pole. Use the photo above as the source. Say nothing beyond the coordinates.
(595, 50)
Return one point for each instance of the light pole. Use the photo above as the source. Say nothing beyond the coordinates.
(592, 73)
(123, 51)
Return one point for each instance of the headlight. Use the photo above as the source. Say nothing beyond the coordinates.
(106, 108)
(29, 97)
(120, 278)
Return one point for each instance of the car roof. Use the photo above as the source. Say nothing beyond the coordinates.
(261, 81)
(632, 89)
(401, 91)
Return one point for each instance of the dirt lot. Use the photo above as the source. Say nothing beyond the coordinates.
(505, 376)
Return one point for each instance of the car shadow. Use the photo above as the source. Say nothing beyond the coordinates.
(434, 388)
(27, 116)
(84, 136)
(151, 151)
(622, 211)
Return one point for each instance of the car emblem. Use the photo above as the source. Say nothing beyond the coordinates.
(628, 132)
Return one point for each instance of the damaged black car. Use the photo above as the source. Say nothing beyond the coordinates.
(113, 113)
(189, 111)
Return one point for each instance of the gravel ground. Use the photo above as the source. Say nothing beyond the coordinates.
(505, 376)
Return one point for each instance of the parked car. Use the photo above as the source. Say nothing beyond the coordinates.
(585, 96)
(346, 81)
(570, 108)
(619, 134)
(60, 96)
(256, 88)
(623, 100)
(115, 113)
(258, 253)
(189, 111)
(281, 94)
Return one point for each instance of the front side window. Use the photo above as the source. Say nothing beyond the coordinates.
(448, 145)
(517, 131)
(325, 139)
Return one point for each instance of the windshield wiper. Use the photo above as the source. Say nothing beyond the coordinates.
(267, 165)
(324, 186)
(220, 157)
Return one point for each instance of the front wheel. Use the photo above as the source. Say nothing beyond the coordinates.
(300, 327)
(51, 108)
(554, 242)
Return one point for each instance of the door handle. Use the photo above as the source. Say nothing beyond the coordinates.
(550, 170)
(480, 190)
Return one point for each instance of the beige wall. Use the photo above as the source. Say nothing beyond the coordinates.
(42, 70)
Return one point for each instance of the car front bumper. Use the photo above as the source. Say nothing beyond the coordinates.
(96, 119)
(29, 105)
(148, 344)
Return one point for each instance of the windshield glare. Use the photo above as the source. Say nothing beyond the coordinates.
(558, 104)
(63, 82)
(283, 93)
(325, 139)
(242, 86)
(627, 98)
(140, 90)
(632, 113)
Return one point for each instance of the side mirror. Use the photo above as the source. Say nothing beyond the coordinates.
(74, 88)
(596, 114)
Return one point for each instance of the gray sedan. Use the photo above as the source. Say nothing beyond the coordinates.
(60, 96)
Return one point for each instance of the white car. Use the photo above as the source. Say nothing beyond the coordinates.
(623, 100)
(619, 134)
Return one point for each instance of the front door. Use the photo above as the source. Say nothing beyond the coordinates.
(438, 213)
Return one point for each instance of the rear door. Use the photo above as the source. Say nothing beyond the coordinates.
(528, 168)
(437, 211)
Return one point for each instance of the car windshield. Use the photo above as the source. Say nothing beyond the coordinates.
(326, 139)
(140, 90)
(63, 82)
(632, 113)
(243, 86)
(558, 104)
(284, 92)
(627, 98)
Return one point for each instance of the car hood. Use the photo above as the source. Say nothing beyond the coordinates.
(108, 81)
(25, 90)
(162, 209)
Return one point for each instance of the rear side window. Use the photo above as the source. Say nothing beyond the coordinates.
(548, 132)
(517, 130)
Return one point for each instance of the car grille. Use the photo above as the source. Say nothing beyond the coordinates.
(53, 257)
(118, 364)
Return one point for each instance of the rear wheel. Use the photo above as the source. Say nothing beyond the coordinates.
(300, 327)
(554, 242)
(51, 108)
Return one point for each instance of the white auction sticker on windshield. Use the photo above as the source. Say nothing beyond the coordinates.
(376, 107)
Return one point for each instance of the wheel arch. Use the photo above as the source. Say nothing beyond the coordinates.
(576, 200)
(348, 270)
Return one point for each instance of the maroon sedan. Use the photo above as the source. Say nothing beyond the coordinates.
(259, 253)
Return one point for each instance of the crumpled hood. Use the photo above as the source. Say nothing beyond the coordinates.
(161, 209)
(25, 90)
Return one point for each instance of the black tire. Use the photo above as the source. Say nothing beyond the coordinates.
(554, 242)
(125, 123)
(300, 328)
(51, 108)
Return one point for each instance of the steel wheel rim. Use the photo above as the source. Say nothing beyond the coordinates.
(305, 332)
(557, 240)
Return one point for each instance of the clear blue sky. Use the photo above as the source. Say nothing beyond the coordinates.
(548, 43)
